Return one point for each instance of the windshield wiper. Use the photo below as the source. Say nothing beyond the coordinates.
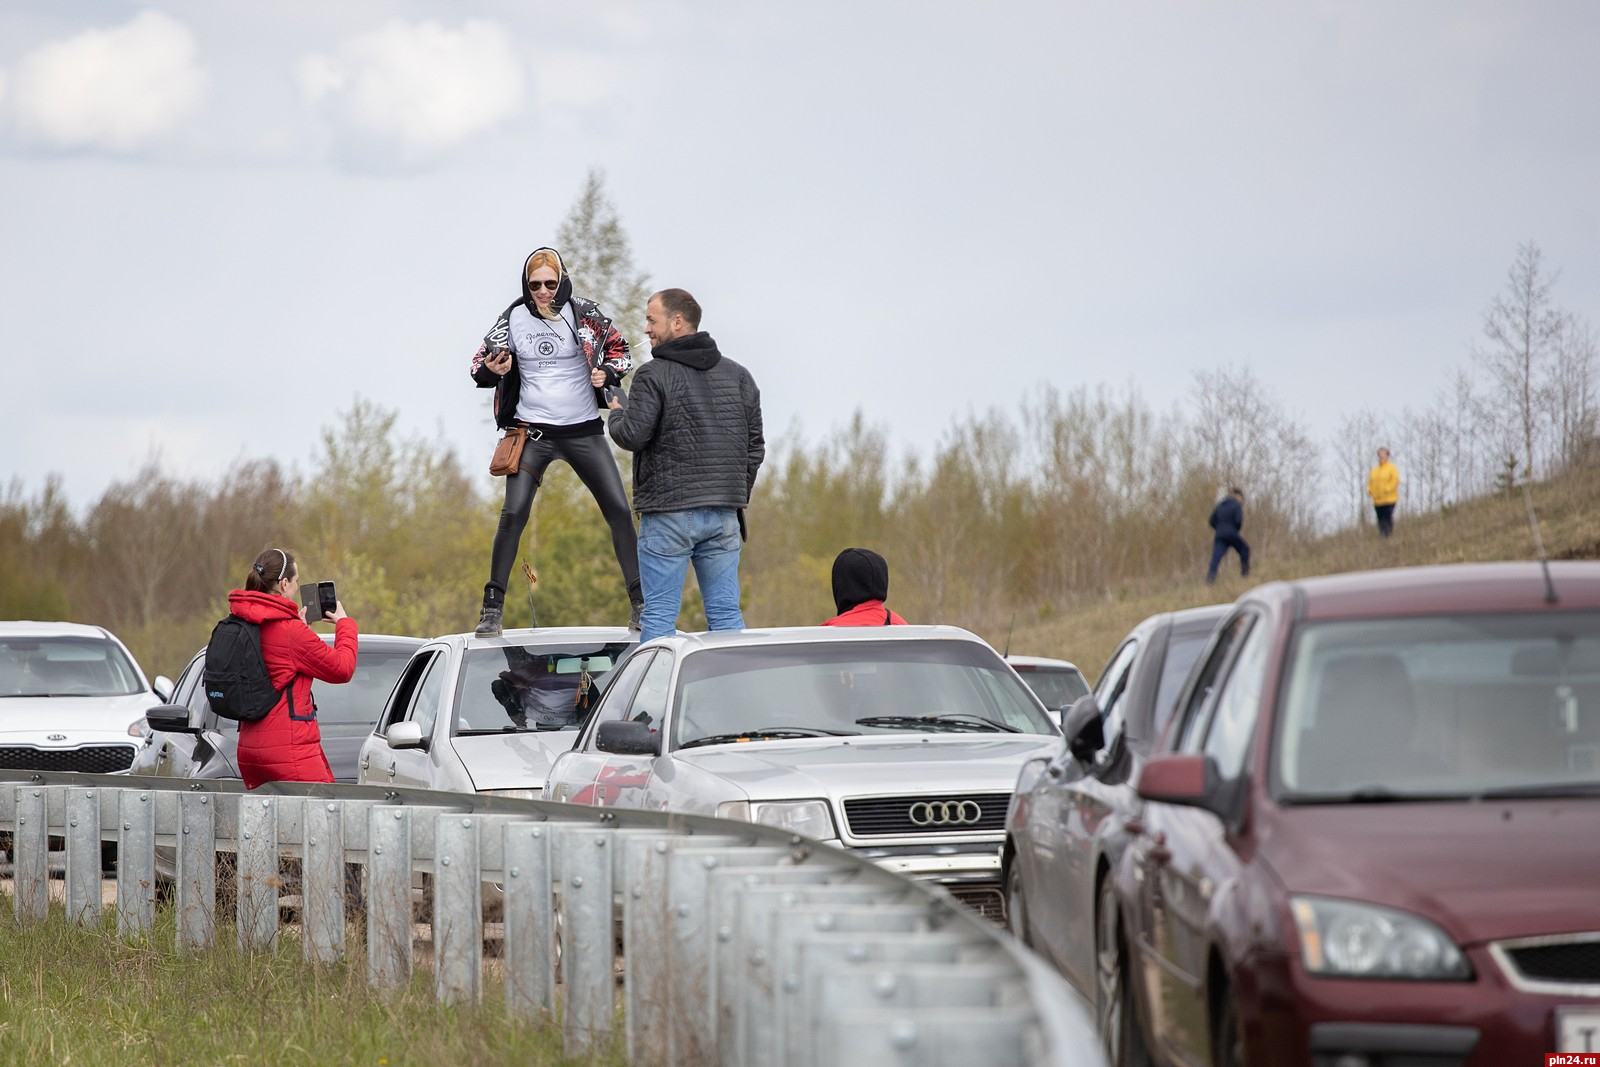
(964, 719)
(1549, 789)
(768, 733)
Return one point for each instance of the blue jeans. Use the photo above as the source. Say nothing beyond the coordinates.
(668, 542)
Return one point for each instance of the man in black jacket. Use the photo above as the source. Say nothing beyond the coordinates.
(1227, 519)
(693, 423)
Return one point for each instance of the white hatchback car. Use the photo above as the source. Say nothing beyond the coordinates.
(488, 714)
(901, 743)
(72, 698)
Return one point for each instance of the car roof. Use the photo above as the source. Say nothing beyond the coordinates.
(1441, 589)
(25, 628)
(802, 635)
(1041, 661)
(544, 635)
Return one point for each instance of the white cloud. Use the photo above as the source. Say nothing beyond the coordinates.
(419, 88)
(115, 89)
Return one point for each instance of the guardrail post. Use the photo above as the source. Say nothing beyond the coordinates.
(389, 896)
(588, 950)
(257, 865)
(136, 863)
(457, 911)
(529, 915)
(197, 872)
(83, 857)
(30, 860)
(322, 881)
(644, 933)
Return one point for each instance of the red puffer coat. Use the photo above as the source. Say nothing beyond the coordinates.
(867, 613)
(286, 746)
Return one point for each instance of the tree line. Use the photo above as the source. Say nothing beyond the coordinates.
(1008, 520)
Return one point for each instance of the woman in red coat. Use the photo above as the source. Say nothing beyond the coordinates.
(286, 745)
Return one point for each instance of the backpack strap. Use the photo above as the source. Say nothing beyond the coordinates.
(888, 616)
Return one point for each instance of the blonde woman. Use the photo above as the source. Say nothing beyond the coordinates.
(549, 359)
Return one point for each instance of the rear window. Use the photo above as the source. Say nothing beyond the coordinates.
(66, 667)
(1056, 687)
(1453, 705)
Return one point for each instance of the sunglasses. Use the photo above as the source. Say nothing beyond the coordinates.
(549, 284)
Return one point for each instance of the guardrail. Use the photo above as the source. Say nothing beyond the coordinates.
(741, 944)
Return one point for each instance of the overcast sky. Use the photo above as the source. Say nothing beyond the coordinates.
(225, 221)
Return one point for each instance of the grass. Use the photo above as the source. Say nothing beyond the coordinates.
(1487, 528)
(84, 996)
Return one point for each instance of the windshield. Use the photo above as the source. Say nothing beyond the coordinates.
(361, 699)
(1469, 705)
(842, 688)
(1056, 687)
(66, 667)
(533, 686)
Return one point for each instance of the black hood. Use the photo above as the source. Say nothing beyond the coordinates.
(563, 290)
(859, 575)
(695, 350)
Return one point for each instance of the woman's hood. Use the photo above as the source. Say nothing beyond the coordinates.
(563, 291)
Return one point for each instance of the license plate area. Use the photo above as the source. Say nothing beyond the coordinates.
(1578, 1030)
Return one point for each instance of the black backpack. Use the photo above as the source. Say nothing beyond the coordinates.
(235, 675)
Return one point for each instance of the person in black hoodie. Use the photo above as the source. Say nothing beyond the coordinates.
(860, 587)
(551, 359)
(693, 423)
(1227, 519)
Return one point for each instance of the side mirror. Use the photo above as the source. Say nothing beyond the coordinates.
(404, 735)
(171, 719)
(1084, 728)
(627, 738)
(162, 687)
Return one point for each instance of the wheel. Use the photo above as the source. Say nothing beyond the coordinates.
(1016, 907)
(1116, 1018)
(1228, 1043)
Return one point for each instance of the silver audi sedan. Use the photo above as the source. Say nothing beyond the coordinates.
(901, 743)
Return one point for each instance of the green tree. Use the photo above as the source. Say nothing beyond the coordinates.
(595, 248)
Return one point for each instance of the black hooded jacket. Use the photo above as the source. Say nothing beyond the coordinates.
(693, 422)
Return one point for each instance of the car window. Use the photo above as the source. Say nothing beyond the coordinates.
(1182, 651)
(407, 686)
(1113, 697)
(360, 700)
(538, 684)
(66, 667)
(1056, 687)
(1238, 705)
(1115, 676)
(649, 704)
(619, 690)
(834, 687)
(193, 695)
(1198, 699)
(424, 710)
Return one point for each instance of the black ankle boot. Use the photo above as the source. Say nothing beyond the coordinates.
(489, 622)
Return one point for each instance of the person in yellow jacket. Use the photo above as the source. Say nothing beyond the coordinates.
(1383, 486)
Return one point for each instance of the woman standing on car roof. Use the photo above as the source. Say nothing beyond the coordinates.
(549, 359)
(286, 745)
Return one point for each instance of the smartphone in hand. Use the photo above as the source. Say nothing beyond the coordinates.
(320, 599)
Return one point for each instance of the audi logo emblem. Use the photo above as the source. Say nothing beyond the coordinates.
(945, 812)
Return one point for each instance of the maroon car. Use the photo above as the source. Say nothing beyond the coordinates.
(1371, 832)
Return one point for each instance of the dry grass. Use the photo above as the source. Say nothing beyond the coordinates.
(1490, 528)
(85, 996)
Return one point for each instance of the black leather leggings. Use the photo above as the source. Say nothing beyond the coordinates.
(591, 459)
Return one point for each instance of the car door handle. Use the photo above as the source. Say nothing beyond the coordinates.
(391, 770)
(1159, 853)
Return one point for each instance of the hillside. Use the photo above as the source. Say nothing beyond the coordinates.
(1487, 528)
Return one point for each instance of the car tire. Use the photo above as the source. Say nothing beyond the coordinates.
(1227, 1042)
(1116, 1018)
(1016, 906)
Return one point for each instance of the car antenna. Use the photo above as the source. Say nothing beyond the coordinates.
(1013, 626)
(1538, 544)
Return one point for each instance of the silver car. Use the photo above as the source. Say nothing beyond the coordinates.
(488, 714)
(901, 742)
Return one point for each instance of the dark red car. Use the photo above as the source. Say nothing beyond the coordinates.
(1371, 832)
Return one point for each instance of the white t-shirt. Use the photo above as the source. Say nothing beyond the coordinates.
(555, 376)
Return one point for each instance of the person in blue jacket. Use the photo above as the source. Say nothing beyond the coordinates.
(1227, 519)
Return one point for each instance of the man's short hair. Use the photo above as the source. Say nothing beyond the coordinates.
(1236, 491)
(679, 302)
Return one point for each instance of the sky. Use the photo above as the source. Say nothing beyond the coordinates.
(225, 223)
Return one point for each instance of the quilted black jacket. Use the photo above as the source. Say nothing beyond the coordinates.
(693, 421)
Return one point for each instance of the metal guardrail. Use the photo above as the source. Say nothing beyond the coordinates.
(741, 944)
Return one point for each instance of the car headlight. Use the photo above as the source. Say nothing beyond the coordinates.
(1344, 939)
(808, 817)
(515, 794)
(1030, 774)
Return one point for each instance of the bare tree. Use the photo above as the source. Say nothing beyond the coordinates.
(1354, 443)
(1521, 329)
(1573, 390)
